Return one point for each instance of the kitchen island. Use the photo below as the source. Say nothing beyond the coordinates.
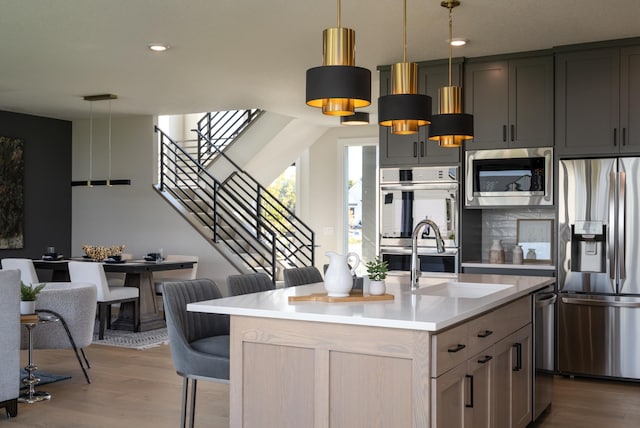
(406, 362)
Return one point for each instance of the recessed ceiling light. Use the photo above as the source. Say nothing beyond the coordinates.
(458, 42)
(158, 47)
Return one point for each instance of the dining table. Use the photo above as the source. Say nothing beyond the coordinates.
(138, 273)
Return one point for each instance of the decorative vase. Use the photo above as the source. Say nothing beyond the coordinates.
(338, 279)
(496, 252)
(517, 255)
(27, 307)
(377, 287)
(531, 254)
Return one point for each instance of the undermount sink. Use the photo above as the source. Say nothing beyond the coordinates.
(468, 290)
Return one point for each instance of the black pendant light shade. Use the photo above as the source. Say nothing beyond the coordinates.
(338, 84)
(404, 107)
(451, 129)
(358, 118)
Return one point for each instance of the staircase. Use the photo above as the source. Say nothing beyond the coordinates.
(250, 227)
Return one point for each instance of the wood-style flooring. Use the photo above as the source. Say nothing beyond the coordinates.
(141, 389)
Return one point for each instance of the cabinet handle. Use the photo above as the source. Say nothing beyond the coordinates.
(615, 136)
(421, 149)
(485, 333)
(470, 378)
(415, 149)
(486, 359)
(504, 133)
(624, 136)
(457, 348)
(518, 365)
(513, 132)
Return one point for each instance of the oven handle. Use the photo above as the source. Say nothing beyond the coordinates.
(431, 252)
(410, 187)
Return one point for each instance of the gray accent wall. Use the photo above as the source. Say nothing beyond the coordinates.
(47, 182)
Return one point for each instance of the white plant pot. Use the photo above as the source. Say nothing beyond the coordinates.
(27, 307)
(377, 288)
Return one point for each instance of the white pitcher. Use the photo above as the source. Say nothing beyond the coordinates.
(338, 279)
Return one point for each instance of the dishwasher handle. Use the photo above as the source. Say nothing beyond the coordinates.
(547, 300)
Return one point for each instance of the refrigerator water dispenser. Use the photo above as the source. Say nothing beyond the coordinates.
(588, 249)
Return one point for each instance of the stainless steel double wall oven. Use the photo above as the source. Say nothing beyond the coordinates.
(408, 195)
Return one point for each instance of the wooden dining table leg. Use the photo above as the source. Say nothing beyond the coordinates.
(150, 314)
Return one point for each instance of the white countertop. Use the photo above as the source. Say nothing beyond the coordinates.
(414, 311)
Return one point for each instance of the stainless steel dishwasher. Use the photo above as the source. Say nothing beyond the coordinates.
(544, 340)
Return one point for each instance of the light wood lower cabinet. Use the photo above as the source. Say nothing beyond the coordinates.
(289, 373)
(491, 388)
(512, 380)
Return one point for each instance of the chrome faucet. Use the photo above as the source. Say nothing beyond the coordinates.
(415, 266)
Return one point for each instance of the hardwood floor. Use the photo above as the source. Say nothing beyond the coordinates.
(141, 389)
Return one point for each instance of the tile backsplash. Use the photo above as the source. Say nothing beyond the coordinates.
(501, 224)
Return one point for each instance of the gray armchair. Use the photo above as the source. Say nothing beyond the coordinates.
(75, 304)
(249, 283)
(9, 340)
(199, 342)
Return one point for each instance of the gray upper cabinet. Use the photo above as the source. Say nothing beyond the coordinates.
(409, 150)
(511, 101)
(598, 101)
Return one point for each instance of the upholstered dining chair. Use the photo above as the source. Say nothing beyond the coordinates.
(9, 341)
(28, 273)
(301, 276)
(74, 304)
(93, 273)
(249, 283)
(199, 342)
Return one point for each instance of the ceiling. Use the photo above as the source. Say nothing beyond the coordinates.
(236, 54)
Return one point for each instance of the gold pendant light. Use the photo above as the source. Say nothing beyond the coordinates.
(451, 127)
(404, 110)
(338, 86)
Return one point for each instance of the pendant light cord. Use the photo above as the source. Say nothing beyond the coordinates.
(90, 142)
(404, 33)
(109, 178)
(450, 40)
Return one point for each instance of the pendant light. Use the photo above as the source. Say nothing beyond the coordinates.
(338, 86)
(109, 181)
(404, 110)
(451, 127)
(358, 118)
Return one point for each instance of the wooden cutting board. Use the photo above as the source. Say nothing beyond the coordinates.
(354, 296)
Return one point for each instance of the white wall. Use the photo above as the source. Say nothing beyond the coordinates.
(320, 194)
(135, 215)
(139, 218)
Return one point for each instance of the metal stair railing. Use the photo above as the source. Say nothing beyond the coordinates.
(239, 212)
(216, 210)
(295, 241)
(220, 129)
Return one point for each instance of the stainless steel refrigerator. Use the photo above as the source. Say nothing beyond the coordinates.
(599, 267)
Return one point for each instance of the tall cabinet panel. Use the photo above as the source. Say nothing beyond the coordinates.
(406, 150)
(512, 102)
(587, 101)
(630, 99)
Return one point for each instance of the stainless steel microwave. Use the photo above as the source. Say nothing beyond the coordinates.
(499, 178)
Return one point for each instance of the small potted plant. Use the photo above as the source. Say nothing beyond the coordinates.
(28, 295)
(377, 270)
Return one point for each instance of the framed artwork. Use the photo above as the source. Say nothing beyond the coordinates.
(536, 238)
(11, 193)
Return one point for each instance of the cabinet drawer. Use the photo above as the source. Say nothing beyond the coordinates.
(496, 325)
(449, 348)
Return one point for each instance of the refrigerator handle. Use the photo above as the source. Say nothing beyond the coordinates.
(612, 218)
(622, 201)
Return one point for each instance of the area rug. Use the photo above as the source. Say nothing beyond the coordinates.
(45, 378)
(128, 339)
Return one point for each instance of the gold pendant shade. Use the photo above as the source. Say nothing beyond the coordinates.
(451, 127)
